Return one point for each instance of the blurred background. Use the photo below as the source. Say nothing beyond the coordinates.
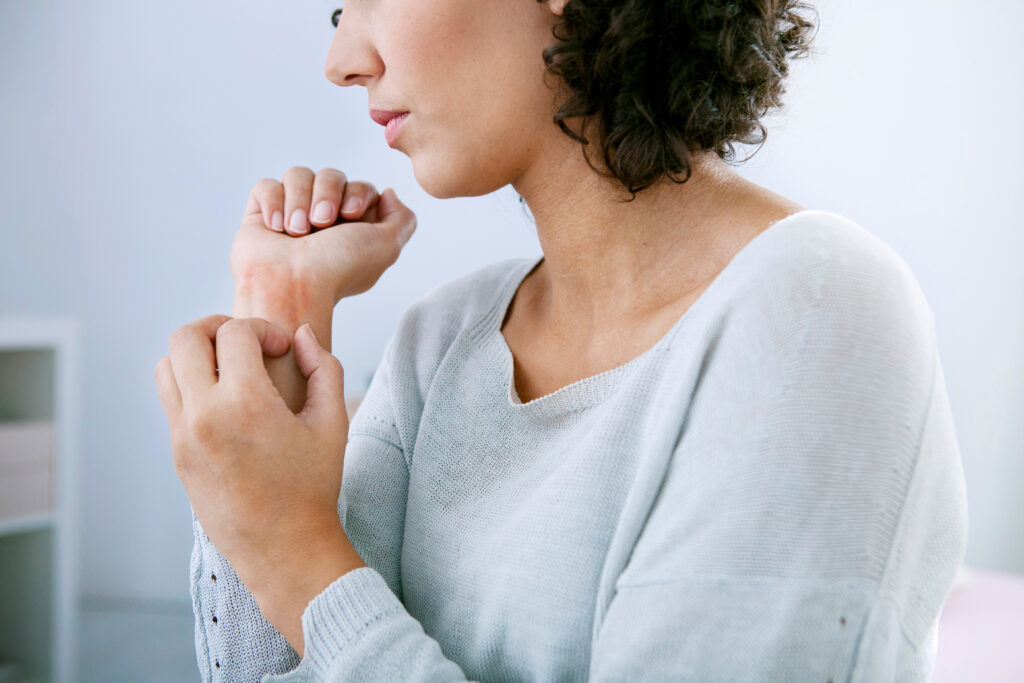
(132, 132)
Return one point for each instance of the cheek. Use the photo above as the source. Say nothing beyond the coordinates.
(457, 53)
(429, 36)
(478, 89)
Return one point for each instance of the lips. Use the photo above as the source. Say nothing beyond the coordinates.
(382, 116)
(391, 130)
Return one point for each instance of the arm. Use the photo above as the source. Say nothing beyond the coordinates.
(273, 278)
(242, 644)
(358, 628)
(241, 640)
(288, 307)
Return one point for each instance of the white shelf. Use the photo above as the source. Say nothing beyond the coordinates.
(17, 525)
(27, 468)
(38, 497)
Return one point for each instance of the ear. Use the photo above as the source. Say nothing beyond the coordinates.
(557, 6)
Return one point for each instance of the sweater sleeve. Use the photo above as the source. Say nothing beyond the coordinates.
(234, 642)
(357, 628)
(811, 522)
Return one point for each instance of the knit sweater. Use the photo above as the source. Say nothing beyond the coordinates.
(771, 492)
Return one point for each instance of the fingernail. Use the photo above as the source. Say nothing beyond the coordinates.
(311, 334)
(298, 223)
(322, 212)
(352, 204)
(277, 221)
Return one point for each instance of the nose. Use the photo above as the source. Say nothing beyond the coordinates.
(352, 59)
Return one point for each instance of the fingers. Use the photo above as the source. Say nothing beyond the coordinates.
(325, 388)
(166, 387)
(267, 198)
(360, 197)
(298, 192)
(240, 346)
(397, 222)
(328, 188)
(304, 199)
(195, 361)
(332, 190)
(192, 356)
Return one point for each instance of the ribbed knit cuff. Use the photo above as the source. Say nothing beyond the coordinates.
(341, 612)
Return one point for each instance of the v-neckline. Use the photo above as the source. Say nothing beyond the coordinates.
(589, 391)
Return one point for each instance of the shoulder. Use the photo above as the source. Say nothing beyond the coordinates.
(861, 284)
(822, 270)
(814, 304)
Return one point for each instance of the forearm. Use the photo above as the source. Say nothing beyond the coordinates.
(287, 306)
(234, 641)
(285, 586)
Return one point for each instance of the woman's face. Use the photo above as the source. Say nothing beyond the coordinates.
(471, 75)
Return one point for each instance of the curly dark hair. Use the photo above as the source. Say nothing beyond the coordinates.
(663, 78)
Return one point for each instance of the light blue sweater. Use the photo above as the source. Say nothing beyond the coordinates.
(772, 492)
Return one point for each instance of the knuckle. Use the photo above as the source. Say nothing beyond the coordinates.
(330, 173)
(230, 327)
(366, 190)
(266, 186)
(298, 173)
(162, 368)
(179, 336)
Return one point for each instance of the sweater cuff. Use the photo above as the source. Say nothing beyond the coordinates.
(353, 603)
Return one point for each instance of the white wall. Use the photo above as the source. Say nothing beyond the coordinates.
(130, 134)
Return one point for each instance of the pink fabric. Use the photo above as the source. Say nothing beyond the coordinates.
(981, 630)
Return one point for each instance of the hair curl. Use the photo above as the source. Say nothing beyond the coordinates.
(663, 78)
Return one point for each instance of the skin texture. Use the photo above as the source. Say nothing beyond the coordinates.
(288, 281)
(263, 481)
(614, 278)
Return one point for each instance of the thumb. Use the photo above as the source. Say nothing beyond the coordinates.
(325, 388)
(395, 217)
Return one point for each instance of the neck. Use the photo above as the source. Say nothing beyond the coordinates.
(605, 259)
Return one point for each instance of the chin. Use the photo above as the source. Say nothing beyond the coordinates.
(447, 178)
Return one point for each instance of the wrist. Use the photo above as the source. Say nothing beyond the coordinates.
(287, 305)
(284, 587)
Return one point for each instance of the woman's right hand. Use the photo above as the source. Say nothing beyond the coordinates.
(278, 246)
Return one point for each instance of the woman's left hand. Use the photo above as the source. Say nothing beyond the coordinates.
(263, 481)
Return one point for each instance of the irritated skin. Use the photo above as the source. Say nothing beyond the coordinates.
(288, 306)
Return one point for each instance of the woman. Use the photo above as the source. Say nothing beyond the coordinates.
(705, 436)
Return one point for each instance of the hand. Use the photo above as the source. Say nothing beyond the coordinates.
(264, 482)
(340, 257)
